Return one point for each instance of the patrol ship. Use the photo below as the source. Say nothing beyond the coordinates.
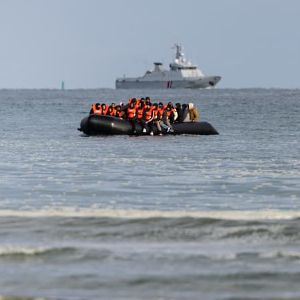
(182, 74)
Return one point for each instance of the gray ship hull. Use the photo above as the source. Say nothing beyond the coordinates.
(138, 83)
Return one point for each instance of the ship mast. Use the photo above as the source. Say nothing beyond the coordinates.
(179, 54)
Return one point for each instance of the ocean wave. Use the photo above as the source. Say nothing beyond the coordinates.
(20, 251)
(21, 298)
(98, 225)
(247, 215)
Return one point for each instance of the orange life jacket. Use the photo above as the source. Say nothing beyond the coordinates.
(155, 113)
(119, 113)
(131, 112)
(140, 112)
(111, 112)
(161, 110)
(170, 112)
(137, 103)
(104, 112)
(95, 110)
(148, 114)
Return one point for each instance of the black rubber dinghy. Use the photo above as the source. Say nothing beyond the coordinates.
(107, 125)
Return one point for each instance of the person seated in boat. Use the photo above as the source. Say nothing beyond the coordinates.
(111, 111)
(179, 111)
(131, 115)
(143, 101)
(139, 115)
(190, 113)
(96, 109)
(194, 113)
(119, 112)
(165, 119)
(157, 117)
(104, 108)
(131, 100)
(113, 105)
(147, 120)
(172, 112)
(148, 101)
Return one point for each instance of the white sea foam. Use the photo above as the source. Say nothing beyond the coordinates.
(267, 214)
(20, 250)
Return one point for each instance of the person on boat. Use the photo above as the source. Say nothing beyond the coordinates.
(148, 101)
(179, 111)
(119, 112)
(191, 113)
(172, 112)
(194, 113)
(161, 108)
(139, 115)
(165, 119)
(143, 101)
(131, 100)
(131, 115)
(111, 111)
(184, 112)
(113, 106)
(147, 120)
(104, 108)
(96, 109)
(157, 118)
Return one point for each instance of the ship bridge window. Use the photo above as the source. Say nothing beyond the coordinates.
(191, 73)
(189, 68)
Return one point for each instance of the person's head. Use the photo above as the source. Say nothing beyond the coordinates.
(191, 105)
(155, 105)
(131, 105)
(113, 104)
(103, 105)
(118, 107)
(97, 105)
(178, 105)
(161, 105)
(133, 100)
(170, 104)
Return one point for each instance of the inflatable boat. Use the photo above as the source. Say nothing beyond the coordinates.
(107, 125)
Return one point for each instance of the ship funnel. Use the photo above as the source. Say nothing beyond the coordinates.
(158, 67)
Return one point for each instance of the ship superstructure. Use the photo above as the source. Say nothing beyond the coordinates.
(181, 74)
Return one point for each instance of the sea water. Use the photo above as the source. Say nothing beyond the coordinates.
(163, 217)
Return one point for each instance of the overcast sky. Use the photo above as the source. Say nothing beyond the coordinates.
(88, 43)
